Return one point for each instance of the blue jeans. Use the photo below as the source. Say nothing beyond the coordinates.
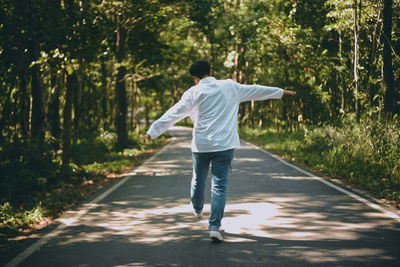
(220, 167)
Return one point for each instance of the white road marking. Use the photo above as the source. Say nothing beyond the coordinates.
(357, 197)
(64, 224)
(67, 222)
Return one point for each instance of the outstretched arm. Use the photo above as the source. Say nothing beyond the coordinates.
(260, 92)
(179, 111)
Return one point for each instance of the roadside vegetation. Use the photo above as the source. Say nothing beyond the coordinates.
(365, 155)
(38, 190)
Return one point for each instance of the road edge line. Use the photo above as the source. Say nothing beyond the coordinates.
(388, 213)
(87, 207)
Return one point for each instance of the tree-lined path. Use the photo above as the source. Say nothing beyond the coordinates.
(275, 216)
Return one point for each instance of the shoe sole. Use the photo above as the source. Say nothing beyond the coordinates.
(215, 240)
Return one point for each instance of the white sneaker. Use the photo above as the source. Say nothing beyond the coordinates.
(216, 236)
(198, 215)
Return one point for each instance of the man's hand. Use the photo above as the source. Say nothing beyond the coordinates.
(146, 137)
(286, 92)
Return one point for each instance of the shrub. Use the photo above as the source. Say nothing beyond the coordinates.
(89, 151)
(14, 219)
(366, 154)
(25, 170)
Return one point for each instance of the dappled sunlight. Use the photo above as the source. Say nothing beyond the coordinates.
(274, 221)
(166, 167)
(287, 224)
(276, 218)
(69, 221)
(300, 178)
(134, 264)
(89, 95)
(153, 226)
(247, 218)
(287, 199)
(248, 160)
(330, 255)
(270, 216)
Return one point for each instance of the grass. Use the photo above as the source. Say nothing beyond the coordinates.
(284, 144)
(79, 182)
(364, 155)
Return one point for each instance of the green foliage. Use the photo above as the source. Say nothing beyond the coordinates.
(89, 151)
(116, 161)
(30, 198)
(366, 155)
(273, 140)
(14, 219)
(25, 170)
(302, 45)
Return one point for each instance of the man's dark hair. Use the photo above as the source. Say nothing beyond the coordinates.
(200, 69)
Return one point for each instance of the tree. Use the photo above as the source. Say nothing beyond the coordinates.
(120, 120)
(70, 82)
(125, 18)
(357, 19)
(388, 79)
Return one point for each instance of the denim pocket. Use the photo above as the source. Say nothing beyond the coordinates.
(228, 156)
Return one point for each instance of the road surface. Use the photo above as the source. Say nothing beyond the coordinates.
(276, 215)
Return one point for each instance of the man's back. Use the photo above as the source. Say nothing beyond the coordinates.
(213, 106)
(214, 115)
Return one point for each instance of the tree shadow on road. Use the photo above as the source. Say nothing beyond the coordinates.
(275, 231)
(275, 216)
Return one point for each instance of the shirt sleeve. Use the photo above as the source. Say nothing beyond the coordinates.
(258, 92)
(177, 112)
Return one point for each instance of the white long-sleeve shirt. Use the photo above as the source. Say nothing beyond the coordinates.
(213, 106)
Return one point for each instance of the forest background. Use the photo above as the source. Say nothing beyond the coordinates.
(81, 80)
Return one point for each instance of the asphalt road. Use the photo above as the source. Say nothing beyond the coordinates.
(276, 215)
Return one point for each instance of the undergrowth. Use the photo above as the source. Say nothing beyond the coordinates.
(37, 188)
(365, 154)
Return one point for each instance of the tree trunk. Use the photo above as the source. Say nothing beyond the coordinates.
(37, 123)
(53, 116)
(70, 82)
(388, 79)
(104, 116)
(146, 116)
(341, 80)
(212, 44)
(356, 82)
(372, 88)
(24, 106)
(236, 61)
(77, 109)
(133, 118)
(120, 89)
(121, 108)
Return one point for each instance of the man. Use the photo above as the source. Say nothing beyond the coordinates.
(213, 107)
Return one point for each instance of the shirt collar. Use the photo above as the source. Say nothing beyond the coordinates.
(207, 80)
